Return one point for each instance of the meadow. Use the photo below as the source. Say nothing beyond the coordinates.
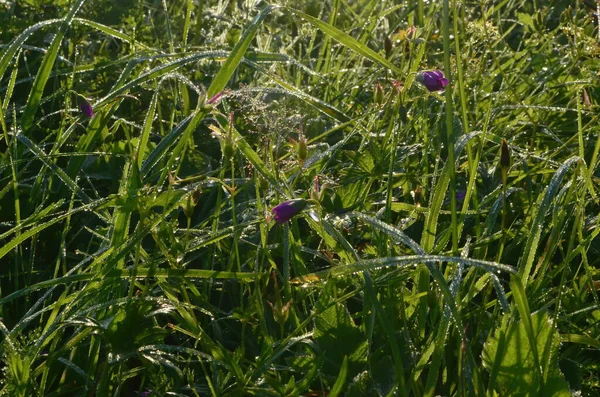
(299, 198)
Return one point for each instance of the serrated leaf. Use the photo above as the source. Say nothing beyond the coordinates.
(509, 357)
(339, 338)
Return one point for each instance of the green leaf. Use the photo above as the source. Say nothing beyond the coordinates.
(526, 20)
(509, 357)
(338, 337)
(341, 379)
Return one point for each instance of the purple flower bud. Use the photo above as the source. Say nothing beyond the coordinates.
(460, 197)
(288, 209)
(86, 107)
(433, 80)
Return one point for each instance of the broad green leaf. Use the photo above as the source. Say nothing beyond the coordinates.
(508, 356)
(338, 337)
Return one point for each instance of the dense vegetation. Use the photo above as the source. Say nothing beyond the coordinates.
(443, 239)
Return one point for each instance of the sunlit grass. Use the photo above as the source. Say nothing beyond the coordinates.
(429, 237)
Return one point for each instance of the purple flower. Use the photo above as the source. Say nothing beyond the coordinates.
(433, 80)
(288, 209)
(86, 107)
(460, 197)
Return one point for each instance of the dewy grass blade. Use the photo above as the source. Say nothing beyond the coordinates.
(192, 274)
(237, 53)
(149, 119)
(38, 227)
(43, 73)
(181, 245)
(347, 41)
(399, 261)
(544, 200)
(441, 187)
(123, 87)
(9, 51)
(10, 87)
(110, 32)
(396, 234)
(161, 150)
(43, 157)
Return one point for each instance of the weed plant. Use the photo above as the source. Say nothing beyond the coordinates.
(442, 240)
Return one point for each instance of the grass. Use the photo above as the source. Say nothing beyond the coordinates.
(450, 241)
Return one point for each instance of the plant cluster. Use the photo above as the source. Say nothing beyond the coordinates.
(304, 197)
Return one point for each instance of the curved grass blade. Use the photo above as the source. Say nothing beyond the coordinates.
(35, 95)
(500, 292)
(189, 123)
(398, 261)
(191, 274)
(494, 211)
(391, 231)
(110, 32)
(41, 226)
(526, 260)
(520, 298)
(154, 73)
(431, 222)
(145, 135)
(341, 379)
(237, 53)
(345, 250)
(15, 45)
(581, 339)
(40, 155)
(347, 40)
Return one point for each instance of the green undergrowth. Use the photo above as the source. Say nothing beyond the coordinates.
(450, 241)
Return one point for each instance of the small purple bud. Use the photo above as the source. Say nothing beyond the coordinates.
(433, 80)
(460, 197)
(288, 209)
(86, 107)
